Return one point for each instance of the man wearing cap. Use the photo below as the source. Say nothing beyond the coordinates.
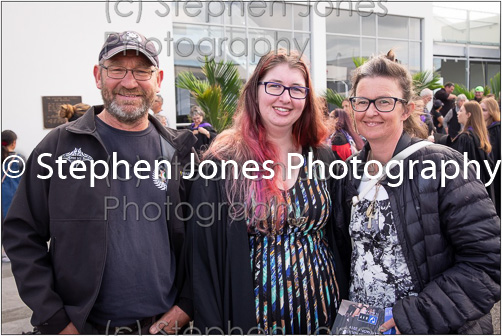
(114, 262)
(446, 96)
(479, 92)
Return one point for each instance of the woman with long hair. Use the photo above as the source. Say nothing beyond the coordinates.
(268, 263)
(344, 140)
(425, 246)
(491, 114)
(474, 140)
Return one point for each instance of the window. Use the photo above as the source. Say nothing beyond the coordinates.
(242, 33)
(354, 36)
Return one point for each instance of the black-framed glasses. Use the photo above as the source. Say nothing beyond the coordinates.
(276, 89)
(382, 104)
(118, 72)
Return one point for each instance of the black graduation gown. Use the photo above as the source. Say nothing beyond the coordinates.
(203, 141)
(468, 142)
(219, 260)
(494, 134)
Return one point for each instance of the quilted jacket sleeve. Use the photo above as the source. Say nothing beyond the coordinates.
(467, 290)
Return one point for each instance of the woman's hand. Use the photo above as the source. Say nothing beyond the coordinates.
(204, 131)
(388, 325)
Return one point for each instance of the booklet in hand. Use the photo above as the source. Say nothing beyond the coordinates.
(357, 318)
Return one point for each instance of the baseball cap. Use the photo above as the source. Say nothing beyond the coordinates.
(437, 103)
(128, 40)
(479, 89)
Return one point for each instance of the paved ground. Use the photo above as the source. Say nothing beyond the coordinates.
(16, 316)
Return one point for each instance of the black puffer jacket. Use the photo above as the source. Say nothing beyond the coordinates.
(450, 238)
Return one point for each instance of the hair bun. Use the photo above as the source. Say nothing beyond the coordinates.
(66, 111)
(391, 55)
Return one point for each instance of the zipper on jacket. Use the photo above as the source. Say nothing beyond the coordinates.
(408, 254)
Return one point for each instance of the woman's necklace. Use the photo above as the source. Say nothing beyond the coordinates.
(371, 211)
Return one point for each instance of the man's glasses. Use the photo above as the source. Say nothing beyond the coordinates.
(118, 72)
(276, 89)
(382, 104)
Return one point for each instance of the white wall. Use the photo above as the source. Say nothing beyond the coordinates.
(49, 49)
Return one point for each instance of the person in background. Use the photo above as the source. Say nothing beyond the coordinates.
(453, 127)
(9, 181)
(491, 115)
(429, 251)
(272, 269)
(157, 109)
(447, 97)
(474, 140)
(344, 140)
(437, 117)
(479, 93)
(425, 117)
(203, 131)
(73, 112)
(426, 95)
(162, 119)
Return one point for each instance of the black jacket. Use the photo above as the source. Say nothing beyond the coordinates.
(60, 284)
(220, 269)
(450, 238)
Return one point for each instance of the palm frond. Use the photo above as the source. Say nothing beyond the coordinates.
(358, 61)
(333, 98)
(218, 94)
(461, 89)
(495, 85)
(426, 79)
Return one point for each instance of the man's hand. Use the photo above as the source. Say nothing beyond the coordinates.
(387, 325)
(69, 330)
(171, 322)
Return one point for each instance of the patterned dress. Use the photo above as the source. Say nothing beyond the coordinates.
(379, 272)
(294, 271)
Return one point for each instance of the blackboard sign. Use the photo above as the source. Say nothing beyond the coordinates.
(50, 107)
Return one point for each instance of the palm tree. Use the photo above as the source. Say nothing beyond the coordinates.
(217, 95)
(459, 88)
(426, 80)
(333, 98)
(495, 84)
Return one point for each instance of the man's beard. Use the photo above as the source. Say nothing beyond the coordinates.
(127, 113)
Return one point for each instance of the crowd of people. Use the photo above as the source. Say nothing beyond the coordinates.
(260, 253)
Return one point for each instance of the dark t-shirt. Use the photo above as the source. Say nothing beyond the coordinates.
(448, 104)
(138, 280)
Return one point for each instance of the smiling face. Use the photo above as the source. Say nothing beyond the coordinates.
(463, 116)
(197, 119)
(381, 127)
(128, 99)
(279, 113)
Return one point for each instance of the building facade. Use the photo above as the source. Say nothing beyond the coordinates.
(50, 48)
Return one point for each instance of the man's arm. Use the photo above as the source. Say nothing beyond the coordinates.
(447, 118)
(25, 236)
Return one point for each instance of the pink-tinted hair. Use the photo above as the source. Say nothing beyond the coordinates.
(247, 138)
